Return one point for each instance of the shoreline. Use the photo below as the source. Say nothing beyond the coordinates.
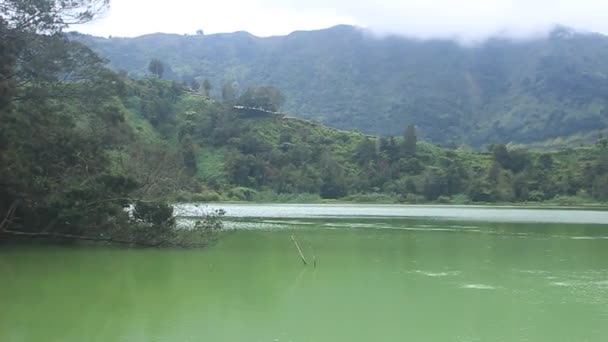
(506, 205)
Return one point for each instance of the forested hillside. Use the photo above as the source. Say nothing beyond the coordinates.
(549, 92)
(87, 153)
(247, 154)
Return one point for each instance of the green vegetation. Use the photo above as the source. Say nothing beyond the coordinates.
(236, 154)
(549, 92)
(89, 154)
(75, 162)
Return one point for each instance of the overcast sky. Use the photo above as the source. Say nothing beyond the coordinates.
(467, 20)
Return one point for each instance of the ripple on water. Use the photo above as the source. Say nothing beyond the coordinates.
(562, 284)
(288, 222)
(438, 274)
(478, 287)
(588, 238)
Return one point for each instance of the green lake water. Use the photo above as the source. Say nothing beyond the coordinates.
(383, 273)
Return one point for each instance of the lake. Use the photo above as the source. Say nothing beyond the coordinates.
(383, 273)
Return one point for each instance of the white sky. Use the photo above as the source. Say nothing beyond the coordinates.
(467, 20)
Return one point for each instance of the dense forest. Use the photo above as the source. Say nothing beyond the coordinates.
(235, 149)
(88, 153)
(547, 92)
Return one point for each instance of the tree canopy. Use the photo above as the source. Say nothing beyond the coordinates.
(156, 67)
(63, 130)
(268, 98)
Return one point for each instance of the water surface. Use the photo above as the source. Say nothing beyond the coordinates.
(379, 277)
(451, 212)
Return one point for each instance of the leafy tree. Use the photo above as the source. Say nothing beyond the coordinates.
(480, 190)
(156, 67)
(366, 152)
(246, 170)
(267, 98)
(194, 85)
(410, 166)
(189, 155)
(333, 183)
(457, 178)
(207, 87)
(408, 148)
(519, 160)
(515, 160)
(545, 161)
(389, 148)
(494, 174)
(251, 144)
(520, 187)
(501, 154)
(600, 188)
(48, 16)
(435, 183)
(228, 92)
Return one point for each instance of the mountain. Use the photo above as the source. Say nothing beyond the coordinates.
(542, 92)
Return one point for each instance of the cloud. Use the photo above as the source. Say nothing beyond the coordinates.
(465, 20)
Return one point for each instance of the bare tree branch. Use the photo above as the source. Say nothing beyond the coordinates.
(8, 218)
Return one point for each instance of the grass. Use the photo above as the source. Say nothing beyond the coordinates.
(140, 125)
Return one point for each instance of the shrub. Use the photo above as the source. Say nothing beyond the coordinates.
(370, 198)
(206, 196)
(412, 199)
(242, 194)
(443, 199)
(461, 199)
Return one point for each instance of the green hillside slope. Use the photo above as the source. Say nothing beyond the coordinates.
(237, 154)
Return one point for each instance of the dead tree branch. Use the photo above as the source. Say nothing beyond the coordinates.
(8, 218)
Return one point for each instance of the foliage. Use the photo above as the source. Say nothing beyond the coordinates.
(408, 148)
(156, 67)
(228, 92)
(267, 98)
(48, 16)
(207, 87)
(71, 164)
(267, 158)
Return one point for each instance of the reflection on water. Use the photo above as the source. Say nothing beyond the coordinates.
(377, 279)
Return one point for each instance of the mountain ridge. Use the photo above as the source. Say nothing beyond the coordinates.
(529, 92)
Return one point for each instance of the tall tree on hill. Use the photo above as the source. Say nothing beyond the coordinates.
(228, 92)
(156, 67)
(194, 85)
(408, 148)
(366, 152)
(207, 87)
(333, 183)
